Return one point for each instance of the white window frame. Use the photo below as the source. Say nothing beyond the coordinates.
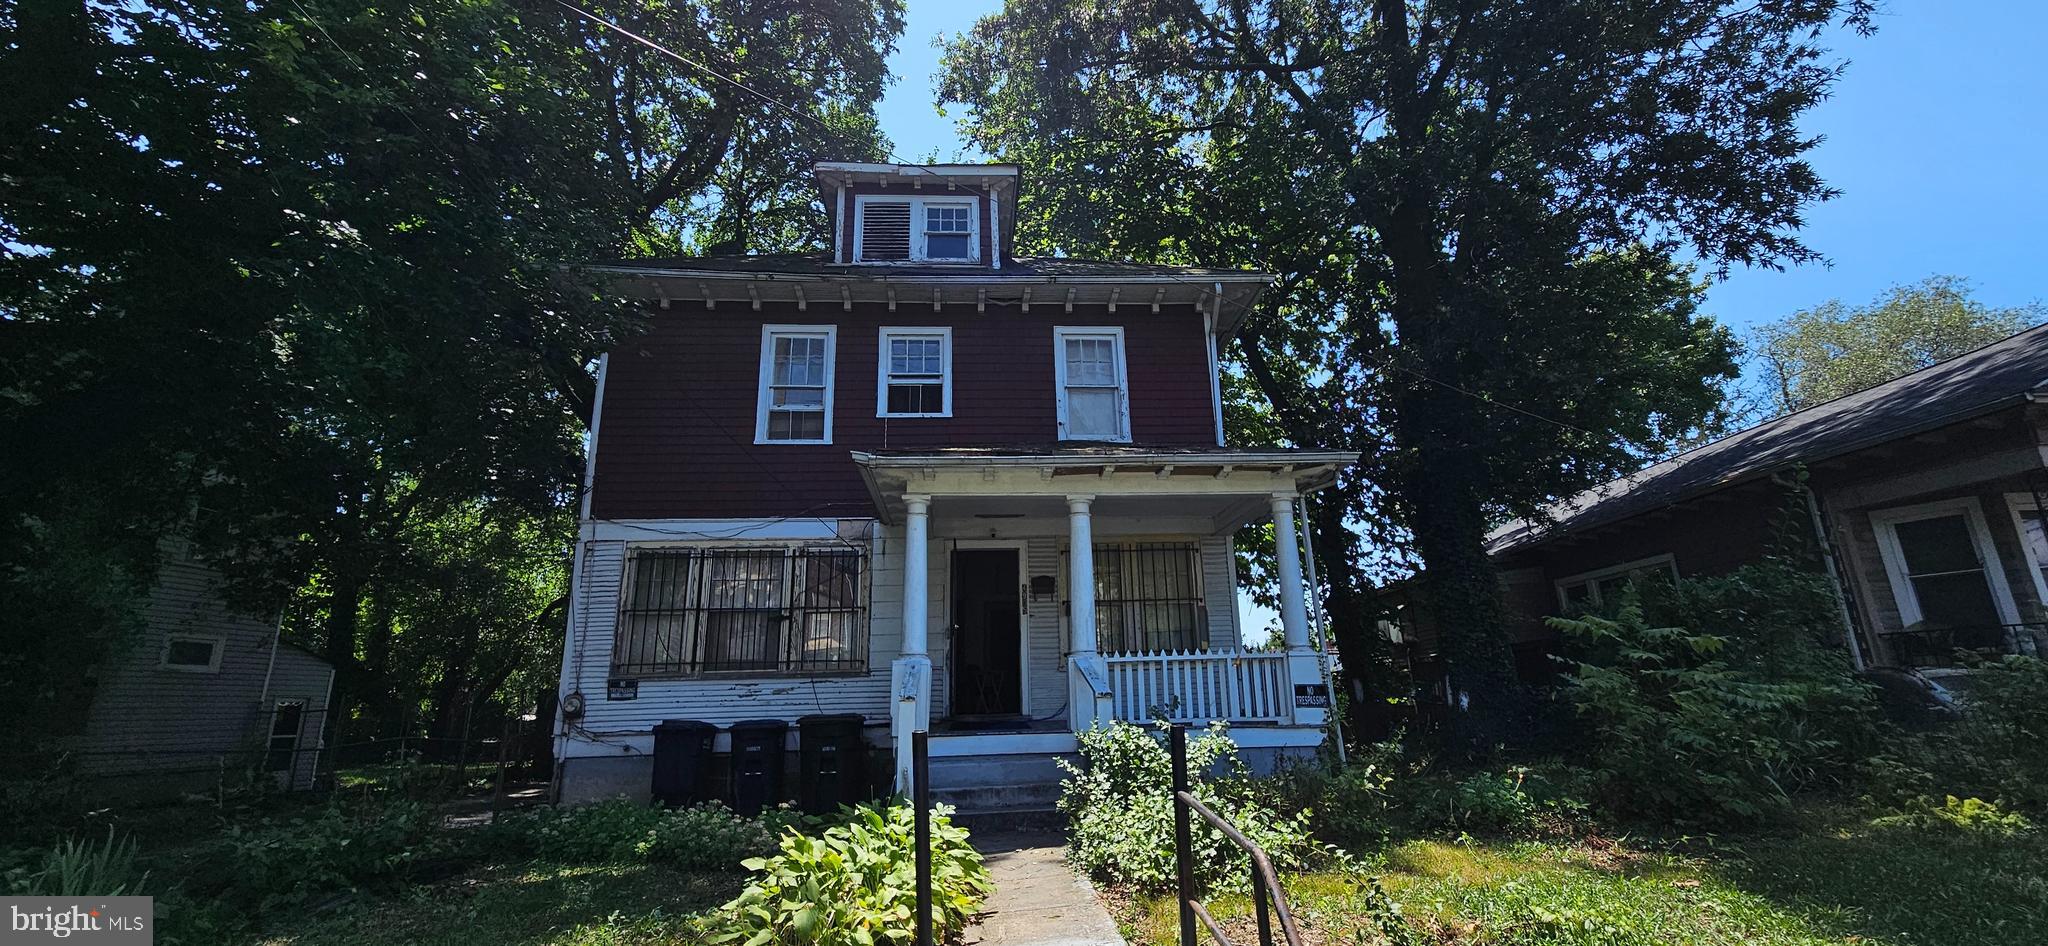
(1885, 523)
(830, 333)
(918, 248)
(888, 332)
(1060, 334)
(1592, 579)
(2019, 504)
(290, 771)
(220, 646)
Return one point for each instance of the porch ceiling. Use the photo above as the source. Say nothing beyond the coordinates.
(1226, 488)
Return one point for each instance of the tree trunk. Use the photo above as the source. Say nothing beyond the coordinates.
(1353, 622)
(344, 606)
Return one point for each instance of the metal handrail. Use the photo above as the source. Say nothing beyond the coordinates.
(1265, 881)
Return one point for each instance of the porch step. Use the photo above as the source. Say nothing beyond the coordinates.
(983, 824)
(1000, 799)
(978, 784)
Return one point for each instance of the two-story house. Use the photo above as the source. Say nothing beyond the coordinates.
(932, 483)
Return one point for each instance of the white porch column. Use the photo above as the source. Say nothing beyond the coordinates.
(1311, 689)
(1088, 696)
(1293, 609)
(910, 675)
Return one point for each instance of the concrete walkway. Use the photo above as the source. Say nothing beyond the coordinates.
(1038, 900)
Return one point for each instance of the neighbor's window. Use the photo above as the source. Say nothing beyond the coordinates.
(1941, 564)
(1094, 403)
(916, 375)
(193, 653)
(796, 384)
(1148, 598)
(759, 609)
(890, 229)
(1594, 590)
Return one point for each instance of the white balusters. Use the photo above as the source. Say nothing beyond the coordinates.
(1190, 687)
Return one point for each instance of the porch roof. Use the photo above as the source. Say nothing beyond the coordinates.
(1225, 486)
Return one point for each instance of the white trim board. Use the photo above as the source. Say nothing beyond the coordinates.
(2018, 504)
(1884, 522)
(711, 530)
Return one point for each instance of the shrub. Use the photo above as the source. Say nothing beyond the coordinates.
(856, 884)
(1972, 815)
(1712, 700)
(339, 848)
(708, 837)
(584, 834)
(1999, 746)
(1119, 807)
(76, 868)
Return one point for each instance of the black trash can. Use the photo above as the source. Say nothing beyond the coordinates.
(757, 751)
(682, 762)
(834, 761)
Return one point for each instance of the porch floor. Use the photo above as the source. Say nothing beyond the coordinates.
(999, 725)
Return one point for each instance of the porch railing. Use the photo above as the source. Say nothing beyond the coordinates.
(1196, 687)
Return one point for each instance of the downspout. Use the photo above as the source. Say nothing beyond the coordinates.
(1827, 555)
(270, 669)
(1322, 637)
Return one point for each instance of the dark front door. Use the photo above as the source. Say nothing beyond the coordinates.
(987, 672)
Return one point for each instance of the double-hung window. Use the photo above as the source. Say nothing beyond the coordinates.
(1944, 572)
(688, 611)
(795, 399)
(1094, 400)
(916, 373)
(891, 229)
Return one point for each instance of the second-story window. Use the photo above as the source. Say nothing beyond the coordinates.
(889, 229)
(1094, 403)
(916, 376)
(795, 399)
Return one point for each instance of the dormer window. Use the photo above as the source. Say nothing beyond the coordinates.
(890, 229)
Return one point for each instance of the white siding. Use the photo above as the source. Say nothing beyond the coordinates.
(148, 718)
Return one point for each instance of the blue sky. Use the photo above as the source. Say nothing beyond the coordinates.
(1937, 136)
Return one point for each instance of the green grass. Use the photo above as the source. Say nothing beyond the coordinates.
(1838, 882)
(524, 905)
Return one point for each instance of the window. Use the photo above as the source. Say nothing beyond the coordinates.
(915, 229)
(1089, 368)
(765, 609)
(1944, 572)
(915, 376)
(1591, 591)
(1148, 598)
(796, 384)
(192, 653)
(286, 719)
(2029, 521)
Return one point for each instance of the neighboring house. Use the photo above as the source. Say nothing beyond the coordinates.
(1927, 491)
(922, 480)
(204, 694)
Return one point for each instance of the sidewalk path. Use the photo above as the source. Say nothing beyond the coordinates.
(1038, 900)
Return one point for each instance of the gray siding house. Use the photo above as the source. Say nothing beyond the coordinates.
(204, 694)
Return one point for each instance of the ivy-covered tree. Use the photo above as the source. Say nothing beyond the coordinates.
(1474, 207)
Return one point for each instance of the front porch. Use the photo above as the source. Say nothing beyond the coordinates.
(1045, 593)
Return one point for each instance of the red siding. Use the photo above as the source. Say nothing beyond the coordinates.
(979, 196)
(677, 436)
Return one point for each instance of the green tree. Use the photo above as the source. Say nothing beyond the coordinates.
(288, 276)
(1834, 349)
(1474, 208)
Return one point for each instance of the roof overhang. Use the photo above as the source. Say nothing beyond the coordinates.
(1223, 298)
(1226, 487)
(862, 172)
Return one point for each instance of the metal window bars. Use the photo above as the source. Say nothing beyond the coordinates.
(1148, 598)
(689, 611)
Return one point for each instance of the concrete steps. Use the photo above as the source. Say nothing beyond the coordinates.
(1023, 784)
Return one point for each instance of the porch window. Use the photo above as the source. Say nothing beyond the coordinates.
(1944, 575)
(795, 401)
(1094, 401)
(689, 611)
(916, 373)
(1148, 598)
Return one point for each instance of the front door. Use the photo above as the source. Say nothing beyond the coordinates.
(988, 677)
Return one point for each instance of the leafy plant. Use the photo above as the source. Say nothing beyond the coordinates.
(710, 837)
(584, 834)
(338, 848)
(856, 884)
(1965, 814)
(1713, 700)
(79, 868)
(1119, 807)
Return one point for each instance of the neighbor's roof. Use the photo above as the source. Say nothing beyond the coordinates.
(1991, 378)
(818, 264)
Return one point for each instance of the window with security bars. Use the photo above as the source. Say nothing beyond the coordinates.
(1148, 598)
(786, 610)
(914, 368)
